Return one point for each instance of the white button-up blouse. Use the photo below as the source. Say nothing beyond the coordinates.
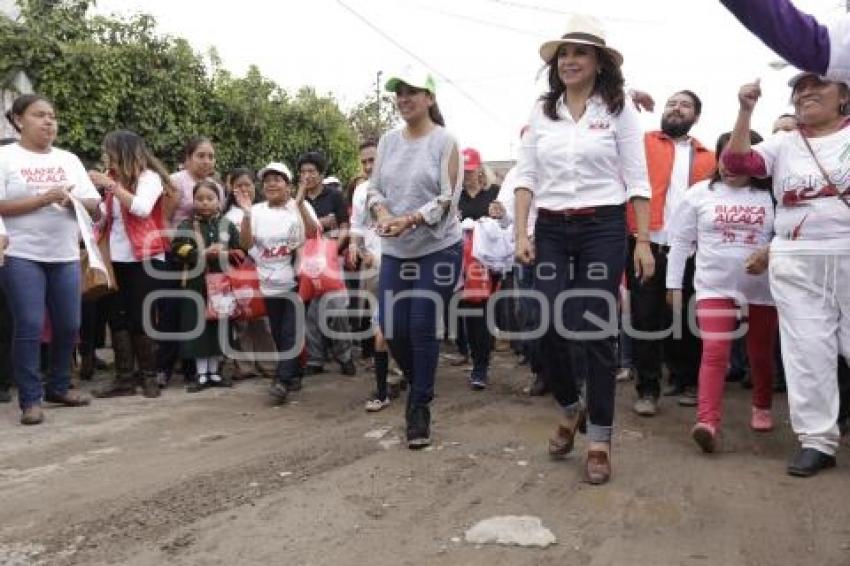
(599, 160)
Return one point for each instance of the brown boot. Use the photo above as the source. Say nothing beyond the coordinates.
(124, 382)
(145, 349)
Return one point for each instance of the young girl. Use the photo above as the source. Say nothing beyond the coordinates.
(219, 239)
(730, 220)
(254, 336)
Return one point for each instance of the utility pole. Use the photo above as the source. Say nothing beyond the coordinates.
(378, 96)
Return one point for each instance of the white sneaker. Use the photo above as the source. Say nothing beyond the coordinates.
(375, 405)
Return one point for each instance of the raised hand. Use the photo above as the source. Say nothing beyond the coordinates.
(749, 95)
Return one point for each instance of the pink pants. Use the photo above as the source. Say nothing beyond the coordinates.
(717, 319)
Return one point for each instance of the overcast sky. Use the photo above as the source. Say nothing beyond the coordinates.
(483, 52)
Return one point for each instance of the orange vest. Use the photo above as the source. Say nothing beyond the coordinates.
(660, 153)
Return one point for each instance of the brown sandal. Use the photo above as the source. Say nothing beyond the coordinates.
(69, 399)
(597, 468)
(564, 440)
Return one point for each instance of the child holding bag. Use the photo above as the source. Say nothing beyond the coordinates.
(214, 240)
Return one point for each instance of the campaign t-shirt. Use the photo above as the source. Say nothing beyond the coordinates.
(278, 232)
(810, 217)
(727, 225)
(50, 233)
(235, 215)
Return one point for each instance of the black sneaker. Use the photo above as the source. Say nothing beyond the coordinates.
(200, 383)
(278, 392)
(538, 387)
(478, 379)
(348, 368)
(419, 427)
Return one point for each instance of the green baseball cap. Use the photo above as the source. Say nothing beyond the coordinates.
(416, 78)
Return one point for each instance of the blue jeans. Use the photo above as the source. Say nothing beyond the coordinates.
(34, 288)
(529, 317)
(409, 321)
(582, 253)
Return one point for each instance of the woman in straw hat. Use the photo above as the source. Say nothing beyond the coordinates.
(582, 159)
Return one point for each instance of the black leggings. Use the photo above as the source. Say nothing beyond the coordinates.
(126, 305)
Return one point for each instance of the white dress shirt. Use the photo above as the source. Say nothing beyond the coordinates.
(597, 161)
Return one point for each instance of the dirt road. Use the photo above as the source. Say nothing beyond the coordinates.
(222, 477)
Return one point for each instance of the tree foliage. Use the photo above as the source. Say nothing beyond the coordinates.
(104, 73)
(371, 118)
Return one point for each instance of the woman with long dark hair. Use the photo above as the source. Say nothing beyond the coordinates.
(730, 221)
(135, 187)
(582, 159)
(413, 195)
(41, 274)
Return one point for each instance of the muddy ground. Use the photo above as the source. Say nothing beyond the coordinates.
(223, 477)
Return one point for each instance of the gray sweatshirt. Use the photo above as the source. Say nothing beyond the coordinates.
(413, 176)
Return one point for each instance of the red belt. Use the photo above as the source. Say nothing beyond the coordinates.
(566, 212)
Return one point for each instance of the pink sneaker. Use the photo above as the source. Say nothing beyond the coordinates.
(762, 420)
(705, 436)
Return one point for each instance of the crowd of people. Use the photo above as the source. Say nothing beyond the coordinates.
(635, 252)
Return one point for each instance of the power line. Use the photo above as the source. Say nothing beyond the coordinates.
(481, 22)
(421, 61)
(548, 10)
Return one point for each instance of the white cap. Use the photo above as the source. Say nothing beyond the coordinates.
(792, 82)
(276, 167)
(414, 76)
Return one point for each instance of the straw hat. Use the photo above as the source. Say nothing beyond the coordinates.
(582, 29)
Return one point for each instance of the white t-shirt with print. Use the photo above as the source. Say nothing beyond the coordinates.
(278, 232)
(806, 221)
(727, 225)
(50, 233)
(235, 215)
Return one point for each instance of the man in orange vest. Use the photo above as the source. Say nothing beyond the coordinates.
(675, 161)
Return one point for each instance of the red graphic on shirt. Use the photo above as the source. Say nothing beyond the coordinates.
(795, 196)
(279, 251)
(798, 229)
(738, 214)
(739, 223)
(44, 175)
